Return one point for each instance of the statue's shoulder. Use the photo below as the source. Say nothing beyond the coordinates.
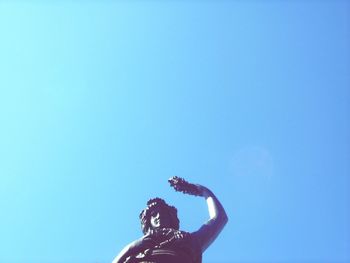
(128, 250)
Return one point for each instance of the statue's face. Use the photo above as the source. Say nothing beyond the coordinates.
(160, 219)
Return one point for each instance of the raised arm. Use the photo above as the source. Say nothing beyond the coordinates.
(209, 231)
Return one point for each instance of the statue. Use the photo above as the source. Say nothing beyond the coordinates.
(163, 241)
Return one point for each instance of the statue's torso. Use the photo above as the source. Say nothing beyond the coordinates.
(168, 246)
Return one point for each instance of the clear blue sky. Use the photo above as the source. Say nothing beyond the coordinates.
(100, 103)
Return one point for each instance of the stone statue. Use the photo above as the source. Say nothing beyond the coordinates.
(163, 241)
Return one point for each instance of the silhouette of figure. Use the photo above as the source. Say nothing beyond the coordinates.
(163, 242)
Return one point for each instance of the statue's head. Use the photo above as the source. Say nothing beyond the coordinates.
(158, 214)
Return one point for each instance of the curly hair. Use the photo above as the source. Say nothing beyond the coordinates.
(158, 203)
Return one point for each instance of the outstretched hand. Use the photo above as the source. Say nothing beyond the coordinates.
(181, 185)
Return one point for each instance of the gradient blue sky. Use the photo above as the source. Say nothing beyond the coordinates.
(100, 103)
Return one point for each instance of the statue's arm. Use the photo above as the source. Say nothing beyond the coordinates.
(217, 215)
(209, 231)
(129, 250)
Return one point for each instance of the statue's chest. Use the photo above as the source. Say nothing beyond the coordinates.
(166, 237)
(168, 246)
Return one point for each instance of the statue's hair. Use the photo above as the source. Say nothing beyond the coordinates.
(158, 203)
